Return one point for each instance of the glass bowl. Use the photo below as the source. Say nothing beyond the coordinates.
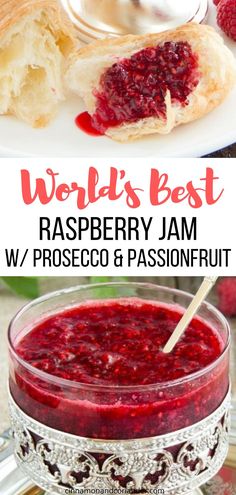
(120, 412)
(167, 437)
(101, 18)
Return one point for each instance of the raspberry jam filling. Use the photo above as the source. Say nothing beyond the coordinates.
(118, 343)
(135, 88)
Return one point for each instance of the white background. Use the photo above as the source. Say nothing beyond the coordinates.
(19, 222)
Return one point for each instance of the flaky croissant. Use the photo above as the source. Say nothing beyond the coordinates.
(36, 38)
(130, 90)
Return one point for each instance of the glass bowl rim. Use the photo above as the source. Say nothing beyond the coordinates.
(122, 388)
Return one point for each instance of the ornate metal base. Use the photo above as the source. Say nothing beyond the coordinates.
(233, 423)
(101, 18)
(176, 463)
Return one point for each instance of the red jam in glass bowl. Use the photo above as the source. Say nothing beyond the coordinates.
(97, 370)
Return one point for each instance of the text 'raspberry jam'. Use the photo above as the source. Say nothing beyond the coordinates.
(135, 88)
(115, 344)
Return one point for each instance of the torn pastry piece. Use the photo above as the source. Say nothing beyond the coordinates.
(138, 85)
(36, 38)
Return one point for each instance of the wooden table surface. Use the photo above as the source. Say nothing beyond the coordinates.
(229, 152)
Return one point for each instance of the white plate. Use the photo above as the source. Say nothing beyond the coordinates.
(62, 138)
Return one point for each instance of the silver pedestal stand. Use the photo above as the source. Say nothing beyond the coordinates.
(174, 464)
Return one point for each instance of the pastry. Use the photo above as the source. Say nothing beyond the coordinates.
(36, 38)
(138, 85)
